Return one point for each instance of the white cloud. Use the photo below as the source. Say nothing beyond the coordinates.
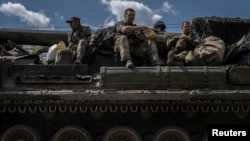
(36, 19)
(144, 15)
(57, 15)
(168, 8)
(109, 22)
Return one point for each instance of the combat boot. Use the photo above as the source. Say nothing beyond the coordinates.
(129, 64)
(77, 61)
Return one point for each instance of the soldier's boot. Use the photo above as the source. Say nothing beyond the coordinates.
(129, 64)
(77, 61)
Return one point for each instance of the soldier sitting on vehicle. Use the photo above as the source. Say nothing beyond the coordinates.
(161, 39)
(130, 41)
(77, 41)
(181, 44)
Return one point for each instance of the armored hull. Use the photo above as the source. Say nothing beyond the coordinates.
(104, 101)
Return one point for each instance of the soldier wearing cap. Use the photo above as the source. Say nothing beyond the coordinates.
(77, 41)
(129, 40)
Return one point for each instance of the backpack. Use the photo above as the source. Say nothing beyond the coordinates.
(211, 51)
(104, 38)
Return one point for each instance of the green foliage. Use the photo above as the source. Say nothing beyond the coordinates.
(34, 49)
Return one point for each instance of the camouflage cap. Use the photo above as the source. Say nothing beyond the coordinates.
(76, 19)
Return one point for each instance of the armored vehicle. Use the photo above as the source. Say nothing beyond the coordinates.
(104, 101)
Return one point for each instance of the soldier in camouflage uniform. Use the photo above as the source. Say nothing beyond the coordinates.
(161, 39)
(77, 41)
(180, 45)
(128, 34)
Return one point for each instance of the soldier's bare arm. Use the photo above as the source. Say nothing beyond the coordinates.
(128, 29)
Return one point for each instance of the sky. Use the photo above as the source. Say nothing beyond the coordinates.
(52, 14)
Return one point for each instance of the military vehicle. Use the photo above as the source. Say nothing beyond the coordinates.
(104, 101)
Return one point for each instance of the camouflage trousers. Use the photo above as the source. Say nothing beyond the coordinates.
(152, 51)
(126, 47)
(122, 47)
(78, 52)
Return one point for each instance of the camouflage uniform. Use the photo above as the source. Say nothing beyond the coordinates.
(181, 47)
(135, 44)
(161, 43)
(78, 41)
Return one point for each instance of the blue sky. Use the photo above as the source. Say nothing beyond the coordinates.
(51, 14)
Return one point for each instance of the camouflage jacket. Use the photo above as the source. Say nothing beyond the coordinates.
(191, 43)
(83, 32)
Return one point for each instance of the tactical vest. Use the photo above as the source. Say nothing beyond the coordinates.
(83, 32)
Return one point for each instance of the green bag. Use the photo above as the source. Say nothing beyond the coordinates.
(212, 51)
(192, 60)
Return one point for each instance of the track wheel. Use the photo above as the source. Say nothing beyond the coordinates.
(20, 133)
(121, 133)
(171, 134)
(72, 133)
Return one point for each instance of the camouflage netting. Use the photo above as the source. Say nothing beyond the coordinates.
(229, 30)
